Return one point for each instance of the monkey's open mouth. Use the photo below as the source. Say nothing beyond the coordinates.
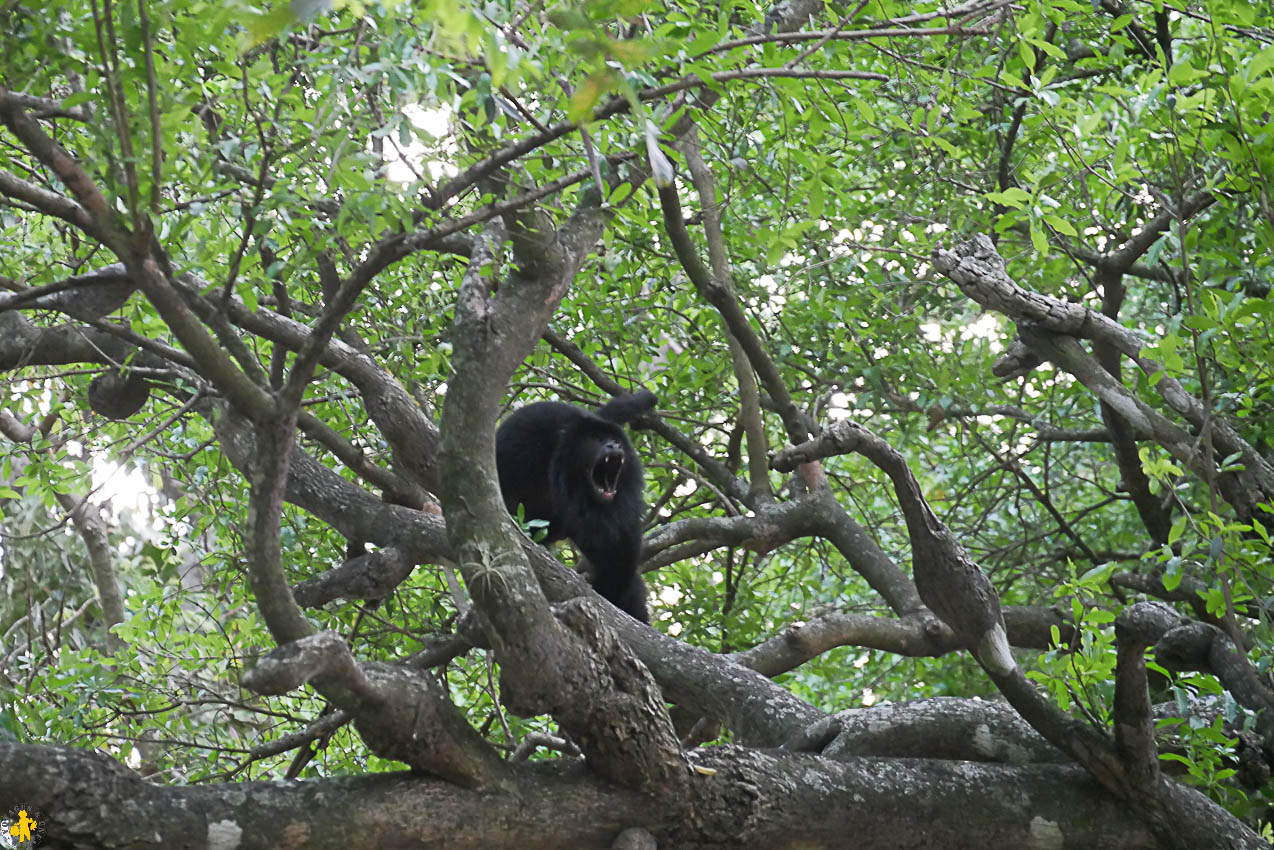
(606, 472)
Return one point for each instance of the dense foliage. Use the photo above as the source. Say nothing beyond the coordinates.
(317, 172)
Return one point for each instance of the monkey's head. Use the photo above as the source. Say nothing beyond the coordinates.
(593, 466)
(608, 464)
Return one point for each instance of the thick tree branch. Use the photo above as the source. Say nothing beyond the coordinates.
(50, 203)
(948, 580)
(910, 637)
(979, 271)
(577, 670)
(1185, 645)
(764, 801)
(1155, 512)
(955, 589)
(1134, 718)
(49, 152)
(401, 714)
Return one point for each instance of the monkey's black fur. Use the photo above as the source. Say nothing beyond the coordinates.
(576, 469)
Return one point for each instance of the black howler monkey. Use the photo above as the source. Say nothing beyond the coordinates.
(577, 470)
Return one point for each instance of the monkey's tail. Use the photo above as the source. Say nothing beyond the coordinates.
(625, 408)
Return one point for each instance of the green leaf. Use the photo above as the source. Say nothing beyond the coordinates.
(586, 97)
(1038, 240)
(621, 193)
(1260, 63)
(1099, 574)
(1010, 197)
(1182, 74)
(1060, 224)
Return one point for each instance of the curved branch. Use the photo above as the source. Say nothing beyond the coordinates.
(402, 714)
(720, 295)
(1044, 322)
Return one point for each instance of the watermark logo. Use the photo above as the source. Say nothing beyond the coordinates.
(22, 828)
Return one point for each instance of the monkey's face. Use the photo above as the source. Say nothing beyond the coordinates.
(608, 463)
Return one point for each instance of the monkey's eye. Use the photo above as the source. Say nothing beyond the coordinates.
(606, 469)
